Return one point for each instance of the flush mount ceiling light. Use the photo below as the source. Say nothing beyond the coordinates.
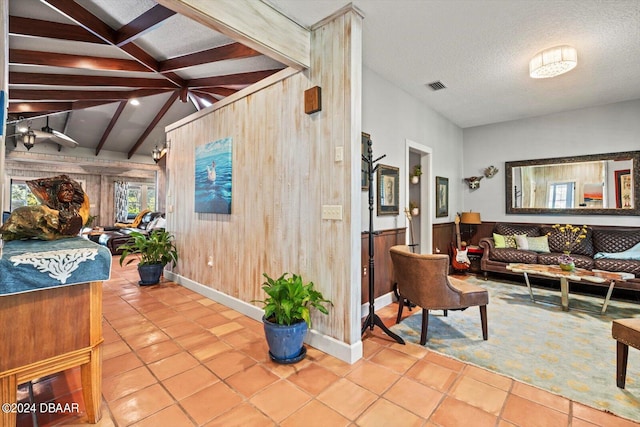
(553, 62)
(134, 101)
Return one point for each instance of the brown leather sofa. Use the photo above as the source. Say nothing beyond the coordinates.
(117, 236)
(599, 239)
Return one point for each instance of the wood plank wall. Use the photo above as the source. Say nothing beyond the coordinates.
(284, 170)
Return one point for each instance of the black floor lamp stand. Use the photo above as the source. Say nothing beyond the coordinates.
(372, 318)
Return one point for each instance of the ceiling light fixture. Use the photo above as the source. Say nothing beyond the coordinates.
(134, 101)
(158, 153)
(29, 139)
(553, 62)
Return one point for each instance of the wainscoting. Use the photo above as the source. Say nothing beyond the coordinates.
(383, 274)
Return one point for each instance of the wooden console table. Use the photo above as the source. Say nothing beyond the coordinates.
(51, 329)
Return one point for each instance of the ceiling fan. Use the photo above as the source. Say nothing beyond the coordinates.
(30, 136)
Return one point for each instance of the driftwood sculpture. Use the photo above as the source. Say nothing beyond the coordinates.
(64, 210)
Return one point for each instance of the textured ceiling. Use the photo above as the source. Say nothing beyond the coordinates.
(481, 50)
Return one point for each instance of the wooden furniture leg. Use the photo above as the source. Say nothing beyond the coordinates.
(622, 353)
(90, 374)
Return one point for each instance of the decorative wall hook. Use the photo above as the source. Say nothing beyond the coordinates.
(473, 182)
(491, 171)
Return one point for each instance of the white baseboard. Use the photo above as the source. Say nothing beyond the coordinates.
(381, 301)
(349, 353)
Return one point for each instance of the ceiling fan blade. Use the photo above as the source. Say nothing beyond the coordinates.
(63, 139)
(57, 137)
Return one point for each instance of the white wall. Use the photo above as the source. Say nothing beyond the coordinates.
(391, 115)
(602, 129)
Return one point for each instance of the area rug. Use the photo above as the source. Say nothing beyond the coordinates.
(567, 353)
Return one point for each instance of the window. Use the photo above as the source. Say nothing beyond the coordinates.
(140, 197)
(21, 195)
(560, 195)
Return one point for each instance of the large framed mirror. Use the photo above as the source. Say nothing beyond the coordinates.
(599, 184)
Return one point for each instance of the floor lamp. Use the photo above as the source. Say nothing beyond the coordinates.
(372, 318)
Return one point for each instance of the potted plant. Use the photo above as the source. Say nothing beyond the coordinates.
(287, 315)
(154, 251)
(415, 209)
(415, 176)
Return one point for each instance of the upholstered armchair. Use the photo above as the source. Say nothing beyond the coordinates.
(423, 279)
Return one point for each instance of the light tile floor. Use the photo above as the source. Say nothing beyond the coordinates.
(174, 358)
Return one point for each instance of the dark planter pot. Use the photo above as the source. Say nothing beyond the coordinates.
(150, 274)
(286, 342)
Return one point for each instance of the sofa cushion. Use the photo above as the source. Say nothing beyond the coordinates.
(558, 244)
(513, 229)
(535, 244)
(615, 240)
(513, 255)
(502, 242)
(618, 265)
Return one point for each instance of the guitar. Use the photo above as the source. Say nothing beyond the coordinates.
(459, 260)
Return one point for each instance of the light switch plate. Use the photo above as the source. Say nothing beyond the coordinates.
(332, 212)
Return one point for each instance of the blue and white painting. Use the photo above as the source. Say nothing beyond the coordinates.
(213, 177)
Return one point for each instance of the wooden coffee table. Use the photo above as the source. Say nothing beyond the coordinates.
(579, 274)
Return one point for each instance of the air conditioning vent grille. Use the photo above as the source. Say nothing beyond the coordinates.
(436, 85)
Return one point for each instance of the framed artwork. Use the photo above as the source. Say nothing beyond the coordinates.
(623, 189)
(388, 190)
(364, 150)
(213, 177)
(593, 194)
(442, 196)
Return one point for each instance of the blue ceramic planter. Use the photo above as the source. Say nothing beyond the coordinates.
(286, 342)
(150, 274)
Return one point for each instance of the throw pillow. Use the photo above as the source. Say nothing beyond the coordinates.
(503, 242)
(535, 244)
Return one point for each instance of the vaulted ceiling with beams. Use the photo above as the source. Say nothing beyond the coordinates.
(80, 63)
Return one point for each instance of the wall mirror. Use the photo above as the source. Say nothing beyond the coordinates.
(599, 184)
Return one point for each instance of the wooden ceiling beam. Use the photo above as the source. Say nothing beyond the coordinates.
(231, 79)
(93, 24)
(222, 53)
(84, 18)
(143, 24)
(27, 108)
(16, 78)
(81, 95)
(222, 91)
(110, 126)
(154, 122)
(32, 57)
(290, 44)
(34, 107)
(54, 30)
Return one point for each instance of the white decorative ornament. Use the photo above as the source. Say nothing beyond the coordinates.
(59, 264)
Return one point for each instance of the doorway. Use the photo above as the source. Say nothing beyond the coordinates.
(420, 194)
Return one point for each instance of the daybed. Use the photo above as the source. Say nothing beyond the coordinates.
(603, 248)
(117, 236)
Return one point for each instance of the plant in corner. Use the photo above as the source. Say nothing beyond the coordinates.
(287, 315)
(154, 251)
(415, 176)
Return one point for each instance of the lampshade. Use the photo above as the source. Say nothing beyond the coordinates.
(553, 62)
(470, 218)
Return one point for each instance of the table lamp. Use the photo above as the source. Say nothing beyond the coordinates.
(471, 219)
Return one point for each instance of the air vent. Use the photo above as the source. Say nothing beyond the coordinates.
(436, 85)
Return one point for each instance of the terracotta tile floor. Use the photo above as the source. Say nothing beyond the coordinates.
(174, 358)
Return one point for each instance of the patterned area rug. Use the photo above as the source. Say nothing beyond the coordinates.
(568, 353)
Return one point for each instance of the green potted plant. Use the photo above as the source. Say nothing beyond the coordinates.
(415, 208)
(153, 251)
(415, 176)
(287, 315)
